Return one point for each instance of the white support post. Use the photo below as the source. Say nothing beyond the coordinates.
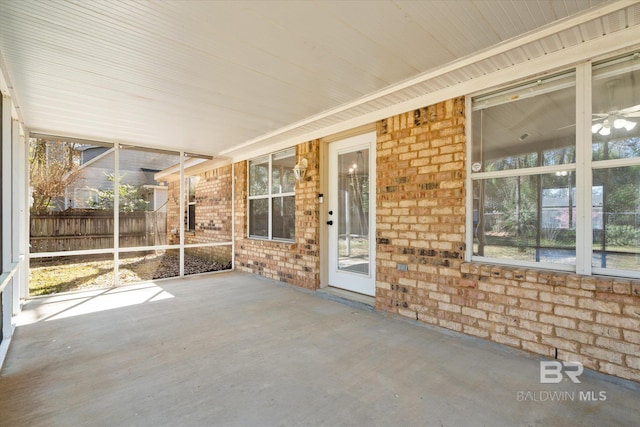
(6, 217)
(116, 215)
(16, 214)
(182, 212)
(584, 230)
(24, 225)
(469, 230)
(233, 216)
(7, 230)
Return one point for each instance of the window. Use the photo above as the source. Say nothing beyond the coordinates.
(191, 185)
(272, 196)
(552, 187)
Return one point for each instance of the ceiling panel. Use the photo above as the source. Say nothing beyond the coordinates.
(211, 76)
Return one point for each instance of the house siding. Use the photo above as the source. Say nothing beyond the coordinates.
(94, 175)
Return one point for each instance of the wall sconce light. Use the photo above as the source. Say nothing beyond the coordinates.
(300, 169)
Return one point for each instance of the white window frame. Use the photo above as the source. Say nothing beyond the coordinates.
(269, 197)
(583, 168)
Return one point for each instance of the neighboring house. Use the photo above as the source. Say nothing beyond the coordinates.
(136, 168)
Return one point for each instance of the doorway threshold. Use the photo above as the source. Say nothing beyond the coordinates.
(354, 299)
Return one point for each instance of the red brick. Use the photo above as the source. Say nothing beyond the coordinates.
(536, 327)
(558, 298)
(598, 329)
(505, 339)
(633, 362)
(543, 307)
(574, 313)
(472, 312)
(557, 321)
(602, 354)
(588, 362)
(619, 321)
(631, 336)
(523, 334)
(620, 371)
(599, 305)
(560, 343)
(470, 330)
(619, 346)
(573, 335)
(538, 348)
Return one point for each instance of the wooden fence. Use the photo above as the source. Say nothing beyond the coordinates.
(93, 229)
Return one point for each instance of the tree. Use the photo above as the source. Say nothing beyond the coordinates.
(129, 196)
(53, 166)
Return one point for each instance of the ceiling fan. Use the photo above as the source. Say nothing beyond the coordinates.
(618, 119)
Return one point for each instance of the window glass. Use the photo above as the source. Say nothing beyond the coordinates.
(283, 179)
(259, 218)
(560, 156)
(528, 160)
(284, 209)
(616, 189)
(192, 185)
(616, 218)
(193, 182)
(272, 208)
(259, 176)
(532, 216)
(526, 218)
(512, 129)
(616, 109)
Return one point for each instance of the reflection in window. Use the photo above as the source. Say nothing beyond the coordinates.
(616, 190)
(259, 176)
(533, 216)
(192, 183)
(526, 218)
(616, 218)
(526, 126)
(259, 217)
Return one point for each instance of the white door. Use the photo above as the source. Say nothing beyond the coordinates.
(351, 214)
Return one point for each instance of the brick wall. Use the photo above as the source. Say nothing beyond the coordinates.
(213, 214)
(594, 320)
(173, 212)
(420, 220)
(421, 225)
(297, 263)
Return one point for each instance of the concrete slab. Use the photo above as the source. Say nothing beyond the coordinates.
(235, 350)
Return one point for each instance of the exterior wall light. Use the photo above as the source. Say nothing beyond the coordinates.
(300, 169)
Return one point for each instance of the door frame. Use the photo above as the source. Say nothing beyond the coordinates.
(363, 137)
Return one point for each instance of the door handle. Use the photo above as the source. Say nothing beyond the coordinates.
(330, 222)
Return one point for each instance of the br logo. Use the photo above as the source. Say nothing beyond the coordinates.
(552, 372)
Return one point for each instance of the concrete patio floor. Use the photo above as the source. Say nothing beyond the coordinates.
(235, 350)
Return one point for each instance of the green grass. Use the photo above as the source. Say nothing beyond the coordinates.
(65, 275)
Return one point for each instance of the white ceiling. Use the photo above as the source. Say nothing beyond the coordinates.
(223, 77)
